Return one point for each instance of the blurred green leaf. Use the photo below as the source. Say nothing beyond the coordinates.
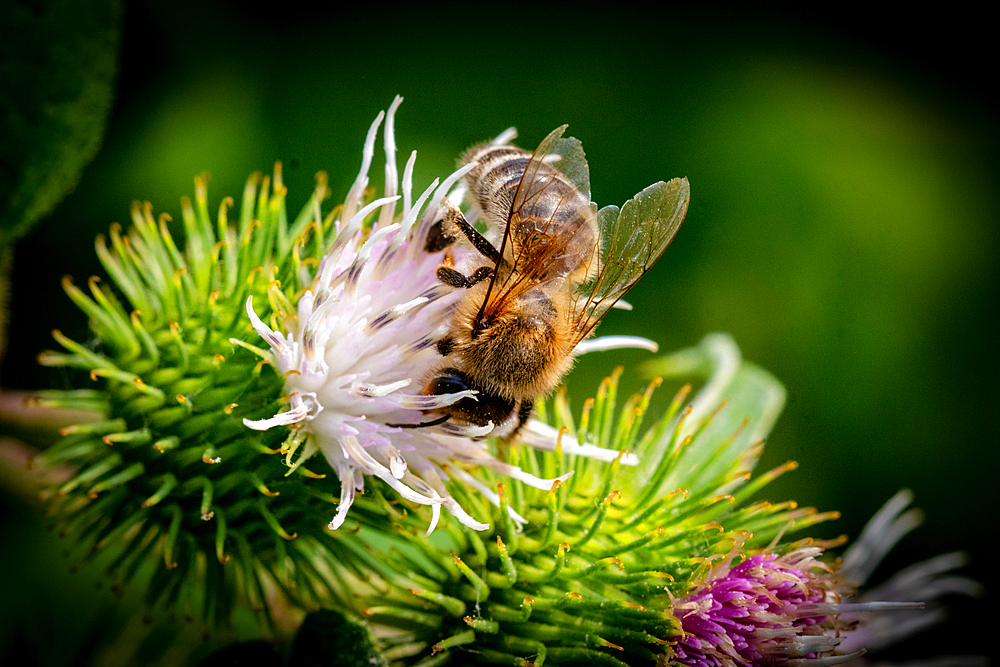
(57, 69)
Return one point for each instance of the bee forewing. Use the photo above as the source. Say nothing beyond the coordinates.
(550, 229)
(566, 155)
(572, 163)
(632, 239)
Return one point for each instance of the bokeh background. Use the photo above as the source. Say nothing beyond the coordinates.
(843, 222)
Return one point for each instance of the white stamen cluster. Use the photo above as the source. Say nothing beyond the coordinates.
(363, 345)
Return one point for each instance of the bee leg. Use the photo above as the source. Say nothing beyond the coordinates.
(450, 276)
(437, 239)
(523, 413)
(453, 217)
(524, 410)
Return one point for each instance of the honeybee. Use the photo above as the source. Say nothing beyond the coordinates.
(554, 267)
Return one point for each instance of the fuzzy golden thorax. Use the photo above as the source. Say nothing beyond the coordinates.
(520, 353)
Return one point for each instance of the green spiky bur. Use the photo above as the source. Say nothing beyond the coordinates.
(593, 574)
(169, 472)
(169, 475)
(186, 480)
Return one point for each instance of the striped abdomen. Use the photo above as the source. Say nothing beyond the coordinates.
(553, 230)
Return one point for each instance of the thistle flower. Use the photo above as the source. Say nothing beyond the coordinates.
(167, 470)
(618, 566)
(360, 345)
(199, 460)
(764, 608)
(171, 469)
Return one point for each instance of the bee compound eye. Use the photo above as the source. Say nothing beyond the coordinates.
(448, 381)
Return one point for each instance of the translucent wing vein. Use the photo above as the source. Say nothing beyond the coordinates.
(633, 238)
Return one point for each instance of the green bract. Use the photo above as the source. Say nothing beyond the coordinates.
(170, 472)
(593, 575)
(198, 478)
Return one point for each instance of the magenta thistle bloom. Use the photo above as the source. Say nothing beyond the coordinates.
(765, 608)
(795, 610)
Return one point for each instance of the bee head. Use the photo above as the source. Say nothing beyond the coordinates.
(480, 410)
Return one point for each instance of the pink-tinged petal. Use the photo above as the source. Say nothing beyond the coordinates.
(293, 416)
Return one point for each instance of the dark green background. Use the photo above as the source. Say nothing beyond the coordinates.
(843, 224)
